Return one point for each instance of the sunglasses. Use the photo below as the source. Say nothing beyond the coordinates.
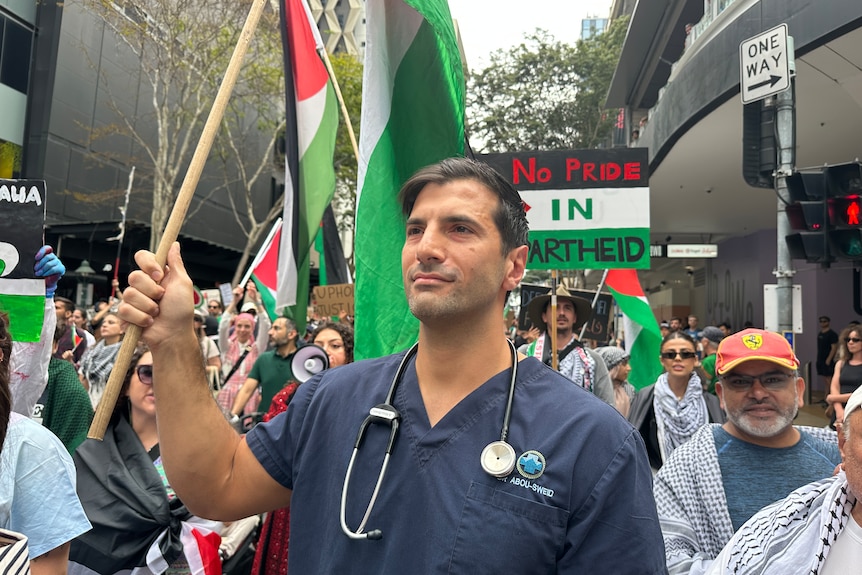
(775, 381)
(852, 339)
(145, 374)
(685, 354)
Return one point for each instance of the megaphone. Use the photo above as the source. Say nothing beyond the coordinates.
(308, 361)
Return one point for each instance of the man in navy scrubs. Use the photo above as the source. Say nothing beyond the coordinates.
(578, 498)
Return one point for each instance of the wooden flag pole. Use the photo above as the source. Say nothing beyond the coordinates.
(552, 323)
(337, 88)
(178, 214)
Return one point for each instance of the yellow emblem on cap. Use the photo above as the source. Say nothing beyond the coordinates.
(753, 341)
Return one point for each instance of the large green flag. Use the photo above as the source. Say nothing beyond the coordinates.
(412, 116)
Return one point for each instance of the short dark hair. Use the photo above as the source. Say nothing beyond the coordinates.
(825, 318)
(68, 304)
(289, 325)
(510, 218)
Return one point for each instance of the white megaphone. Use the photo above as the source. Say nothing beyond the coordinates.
(308, 361)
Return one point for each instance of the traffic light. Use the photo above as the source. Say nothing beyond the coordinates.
(844, 207)
(807, 214)
(758, 144)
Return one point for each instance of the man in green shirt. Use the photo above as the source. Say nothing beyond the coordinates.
(271, 371)
(710, 337)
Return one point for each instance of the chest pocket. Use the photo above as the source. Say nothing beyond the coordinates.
(500, 532)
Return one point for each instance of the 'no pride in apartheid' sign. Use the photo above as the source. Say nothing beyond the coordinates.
(587, 209)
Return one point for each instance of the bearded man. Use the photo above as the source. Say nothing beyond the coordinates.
(726, 473)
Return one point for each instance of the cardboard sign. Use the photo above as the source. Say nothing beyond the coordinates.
(598, 324)
(330, 300)
(22, 224)
(211, 295)
(587, 209)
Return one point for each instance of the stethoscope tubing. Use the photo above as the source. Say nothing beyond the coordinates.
(385, 413)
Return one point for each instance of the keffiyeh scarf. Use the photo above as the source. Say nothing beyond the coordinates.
(794, 535)
(96, 366)
(577, 365)
(230, 389)
(677, 420)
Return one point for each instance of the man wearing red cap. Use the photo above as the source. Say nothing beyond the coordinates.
(816, 529)
(725, 473)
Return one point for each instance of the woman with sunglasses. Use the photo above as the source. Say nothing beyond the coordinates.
(848, 372)
(668, 412)
(138, 521)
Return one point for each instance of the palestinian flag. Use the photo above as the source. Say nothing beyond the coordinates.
(643, 337)
(412, 116)
(309, 180)
(264, 270)
(76, 339)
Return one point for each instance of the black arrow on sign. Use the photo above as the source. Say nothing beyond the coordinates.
(773, 80)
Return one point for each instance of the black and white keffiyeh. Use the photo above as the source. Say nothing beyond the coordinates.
(692, 505)
(793, 535)
(677, 420)
(96, 366)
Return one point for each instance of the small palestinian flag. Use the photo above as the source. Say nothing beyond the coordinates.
(76, 339)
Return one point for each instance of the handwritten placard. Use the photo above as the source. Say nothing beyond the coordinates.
(22, 223)
(331, 300)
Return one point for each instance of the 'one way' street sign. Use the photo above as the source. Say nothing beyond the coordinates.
(764, 65)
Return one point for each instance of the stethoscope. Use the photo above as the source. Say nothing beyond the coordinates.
(497, 459)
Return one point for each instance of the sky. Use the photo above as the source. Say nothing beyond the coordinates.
(489, 25)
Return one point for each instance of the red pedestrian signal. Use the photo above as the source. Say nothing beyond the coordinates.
(852, 212)
(844, 186)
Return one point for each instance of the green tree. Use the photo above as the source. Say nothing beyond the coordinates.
(176, 51)
(545, 94)
(348, 72)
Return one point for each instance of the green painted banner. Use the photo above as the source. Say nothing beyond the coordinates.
(25, 315)
(604, 248)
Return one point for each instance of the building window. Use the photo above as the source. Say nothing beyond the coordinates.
(16, 46)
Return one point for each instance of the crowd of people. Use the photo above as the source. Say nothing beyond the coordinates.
(110, 507)
(471, 454)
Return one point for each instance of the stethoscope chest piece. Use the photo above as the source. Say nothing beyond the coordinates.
(498, 459)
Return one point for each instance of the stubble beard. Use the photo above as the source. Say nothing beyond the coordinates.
(756, 428)
(429, 307)
(455, 305)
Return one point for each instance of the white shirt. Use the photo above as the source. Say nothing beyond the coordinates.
(846, 551)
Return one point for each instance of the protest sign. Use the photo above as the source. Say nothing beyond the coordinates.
(597, 325)
(22, 223)
(330, 300)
